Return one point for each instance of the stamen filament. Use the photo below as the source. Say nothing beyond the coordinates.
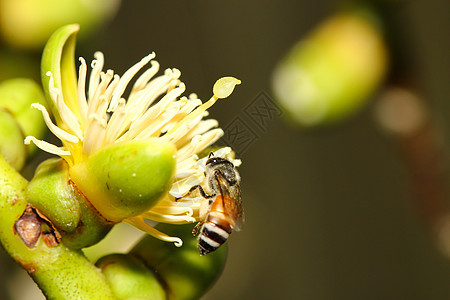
(81, 92)
(168, 218)
(58, 132)
(194, 114)
(126, 78)
(97, 66)
(140, 224)
(47, 147)
(145, 78)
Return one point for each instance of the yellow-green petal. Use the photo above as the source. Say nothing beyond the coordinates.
(59, 59)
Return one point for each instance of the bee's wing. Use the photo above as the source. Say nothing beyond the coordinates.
(233, 206)
(232, 201)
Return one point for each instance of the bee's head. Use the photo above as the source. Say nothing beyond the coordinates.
(224, 167)
(216, 160)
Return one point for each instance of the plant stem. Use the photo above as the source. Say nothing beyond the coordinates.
(419, 141)
(60, 272)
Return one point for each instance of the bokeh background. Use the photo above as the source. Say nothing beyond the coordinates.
(329, 211)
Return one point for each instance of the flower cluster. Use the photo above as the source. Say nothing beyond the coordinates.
(154, 109)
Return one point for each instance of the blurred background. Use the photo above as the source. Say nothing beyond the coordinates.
(348, 202)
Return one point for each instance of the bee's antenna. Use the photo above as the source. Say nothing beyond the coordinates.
(211, 154)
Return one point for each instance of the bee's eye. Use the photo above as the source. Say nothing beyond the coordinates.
(212, 161)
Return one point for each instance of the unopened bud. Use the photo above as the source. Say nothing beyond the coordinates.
(130, 278)
(17, 119)
(331, 73)
(11, 141)
(51, 192)
(27, 24)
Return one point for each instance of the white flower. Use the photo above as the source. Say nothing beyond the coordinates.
(154, 109)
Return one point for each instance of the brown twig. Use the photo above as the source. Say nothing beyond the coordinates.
(404, 115)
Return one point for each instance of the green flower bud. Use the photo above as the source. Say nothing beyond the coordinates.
(11, 140)
(130, 278)
(331, 73)
(18, 120)
(186, 274)
(16, 96)
(27, 24)
(52, 194)
(126, 179)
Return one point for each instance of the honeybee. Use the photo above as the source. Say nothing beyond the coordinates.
(224, 212)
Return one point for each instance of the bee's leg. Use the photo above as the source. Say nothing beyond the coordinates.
(202, 192)
(197, 227)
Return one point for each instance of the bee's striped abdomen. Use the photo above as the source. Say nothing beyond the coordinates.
(216, 229)
(211, 237)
